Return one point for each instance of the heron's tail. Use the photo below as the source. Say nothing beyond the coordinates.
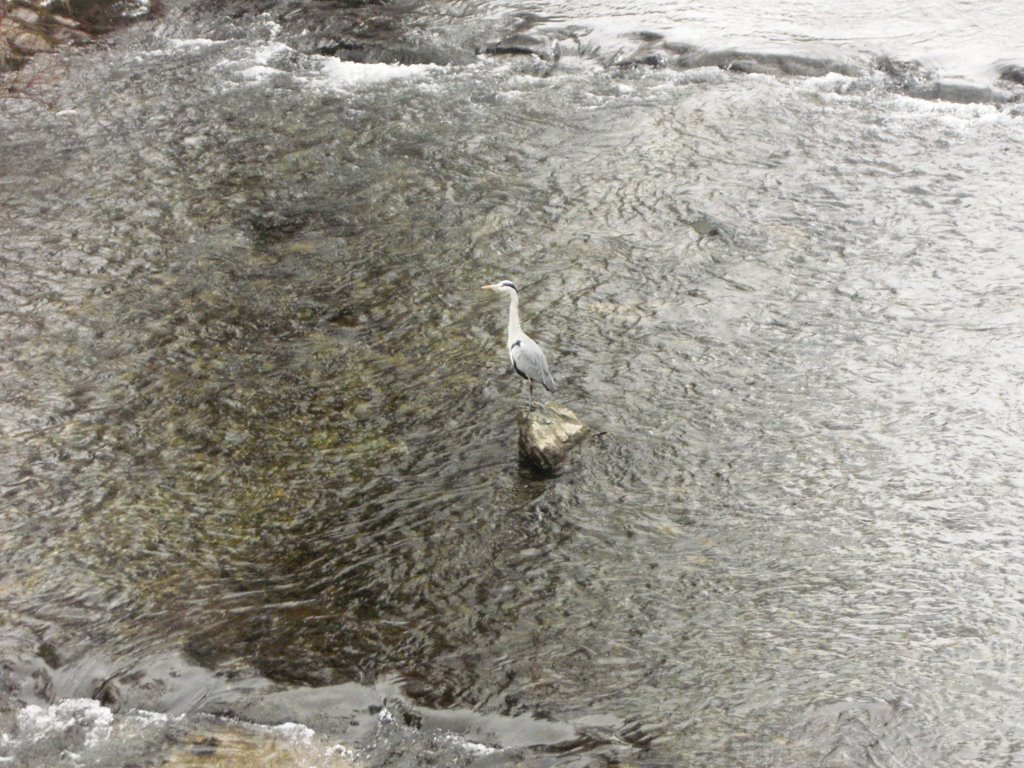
(548, 382)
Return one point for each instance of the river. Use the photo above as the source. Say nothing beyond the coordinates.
(259, 488)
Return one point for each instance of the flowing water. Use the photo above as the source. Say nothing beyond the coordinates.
(258, 438)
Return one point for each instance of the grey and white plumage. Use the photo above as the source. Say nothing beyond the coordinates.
(526, 355)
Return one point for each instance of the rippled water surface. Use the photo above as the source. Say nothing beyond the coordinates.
(255, 414)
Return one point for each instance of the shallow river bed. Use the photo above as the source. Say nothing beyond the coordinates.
(257, 437)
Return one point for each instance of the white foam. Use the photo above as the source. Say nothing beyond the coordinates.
(302, 735)
(953, 115)
(194, 42)
(35, 722)
(275, 59)
(339, 754)
(343, 75)
(96, 721)
(257, 73)
(266, 53)
(474, 748)
(268, 22)
(258, 62)
(295, 732)
(135, 8)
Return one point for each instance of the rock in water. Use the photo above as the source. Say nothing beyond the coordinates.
(522, 44)
(547, 436)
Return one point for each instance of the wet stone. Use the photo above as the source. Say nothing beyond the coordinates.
(522, 44)
(25, 676)
(705, 227)
(1013, 73)
(238, 745)
(548, 437)
(24, 41)
(24, 15)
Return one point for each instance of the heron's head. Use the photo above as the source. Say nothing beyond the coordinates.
(505, 286)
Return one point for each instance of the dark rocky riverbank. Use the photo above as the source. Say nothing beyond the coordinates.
(28, 28)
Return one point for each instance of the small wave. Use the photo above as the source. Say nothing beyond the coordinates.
(338, 74)
(196, 42)
(914, 79)
(86, 732)
(683, 56)
(555, 45)
(83, 729)
(276, 61)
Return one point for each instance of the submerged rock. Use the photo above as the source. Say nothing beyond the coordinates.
(242, 745)
(523, 44)
(547, 436)
(1014, 73)
(28, 43)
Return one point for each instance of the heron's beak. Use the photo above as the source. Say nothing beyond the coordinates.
(487, 288)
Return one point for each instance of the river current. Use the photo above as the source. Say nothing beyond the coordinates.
(259, 487)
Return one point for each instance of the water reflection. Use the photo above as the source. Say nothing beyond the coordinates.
(255, 405)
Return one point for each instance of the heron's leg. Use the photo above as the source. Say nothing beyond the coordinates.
(531, 393)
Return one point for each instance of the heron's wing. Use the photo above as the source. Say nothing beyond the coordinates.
(529, 362)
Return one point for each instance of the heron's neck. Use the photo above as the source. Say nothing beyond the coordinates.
(514, 328)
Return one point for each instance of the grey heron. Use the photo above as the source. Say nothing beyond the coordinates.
(526, 355)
